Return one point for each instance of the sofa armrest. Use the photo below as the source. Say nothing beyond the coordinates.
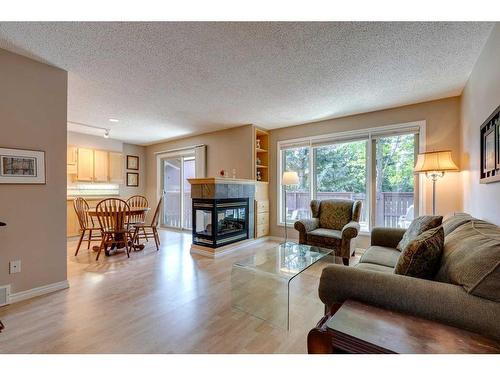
(306, 225)
(388, 237)
(350, 230)
(447, 303)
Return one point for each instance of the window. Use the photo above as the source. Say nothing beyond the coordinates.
(297, 197)
(340, 171)
(395, 158)
(374, 166)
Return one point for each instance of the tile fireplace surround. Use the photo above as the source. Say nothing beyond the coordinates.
(223, 188)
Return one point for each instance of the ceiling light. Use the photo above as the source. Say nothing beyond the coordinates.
(113, 120)
(106, 133)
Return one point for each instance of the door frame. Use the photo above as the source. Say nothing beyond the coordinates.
(160, 180)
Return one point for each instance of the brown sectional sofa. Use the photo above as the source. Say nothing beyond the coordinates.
(464, 293)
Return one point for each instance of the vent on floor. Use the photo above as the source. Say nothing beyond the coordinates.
(4, 295)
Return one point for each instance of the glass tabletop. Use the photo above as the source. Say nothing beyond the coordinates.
(284, 260)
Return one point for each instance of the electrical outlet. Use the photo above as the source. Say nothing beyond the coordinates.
(14, 266)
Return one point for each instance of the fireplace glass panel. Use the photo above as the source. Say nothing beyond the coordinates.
(203, 222)
(230, 220)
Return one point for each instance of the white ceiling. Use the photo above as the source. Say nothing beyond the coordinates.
(164, 80)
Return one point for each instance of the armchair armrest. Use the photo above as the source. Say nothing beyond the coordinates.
(350, 230)
(447, 303)
(306, 225)
(388, 237)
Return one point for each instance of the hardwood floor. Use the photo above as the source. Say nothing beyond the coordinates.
(155, 302)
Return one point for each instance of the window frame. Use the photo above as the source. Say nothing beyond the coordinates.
(370, 135)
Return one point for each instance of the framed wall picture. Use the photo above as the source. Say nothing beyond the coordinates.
(490, 149)
(22, 166)
(497, 126)
(133, 162)
(132, 179)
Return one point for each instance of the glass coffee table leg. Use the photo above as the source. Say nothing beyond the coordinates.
(288, 306)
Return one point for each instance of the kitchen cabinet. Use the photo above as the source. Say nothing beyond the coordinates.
(85, 164)
(100, 166)
(71, 160)
(90, 165)
(115, 167)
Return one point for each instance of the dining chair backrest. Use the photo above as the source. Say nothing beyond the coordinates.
(138, 201)
(154, 221)
(81, 208)
(113, 215)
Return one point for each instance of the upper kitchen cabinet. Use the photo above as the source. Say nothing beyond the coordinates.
(85, 164)
(95, 165)
(115, 167)
(72, 159)
(100, 166)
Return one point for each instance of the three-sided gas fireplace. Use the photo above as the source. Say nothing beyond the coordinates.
(219, 222)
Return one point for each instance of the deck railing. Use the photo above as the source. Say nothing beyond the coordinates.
(391, 207)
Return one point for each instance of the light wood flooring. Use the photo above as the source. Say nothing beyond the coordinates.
(155, 302)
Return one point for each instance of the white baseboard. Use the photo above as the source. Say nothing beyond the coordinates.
(39, 291)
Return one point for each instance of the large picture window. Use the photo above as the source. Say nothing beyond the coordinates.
(373, 167)
(395, 181)
(340, 171)
(297, 159)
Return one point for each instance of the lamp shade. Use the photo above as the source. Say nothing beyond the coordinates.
(435, 161)
(290, 178)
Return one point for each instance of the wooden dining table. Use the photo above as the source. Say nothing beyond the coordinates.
(134, 211)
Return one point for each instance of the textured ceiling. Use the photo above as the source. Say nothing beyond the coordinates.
(165, 80)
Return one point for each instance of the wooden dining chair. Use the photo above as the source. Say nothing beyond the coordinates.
(113, 215)
(138, 218)
(151, 229)
(87, 225)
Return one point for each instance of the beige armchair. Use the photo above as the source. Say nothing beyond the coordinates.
(334, 225)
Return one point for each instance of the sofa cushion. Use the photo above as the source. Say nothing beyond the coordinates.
(421, 257)
(417, 227)
(335, 213)
(381, 255)
(374, 267)
(471, 258)
(452, 222)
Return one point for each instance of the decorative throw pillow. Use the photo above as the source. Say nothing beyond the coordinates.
(417, 227)
(421, 257)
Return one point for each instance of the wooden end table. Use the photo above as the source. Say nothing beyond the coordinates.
(359, 328)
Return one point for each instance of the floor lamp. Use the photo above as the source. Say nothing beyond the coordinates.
(289, 179)
(434, 164)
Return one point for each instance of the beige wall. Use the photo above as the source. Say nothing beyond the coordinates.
(442, 132)
(134, 150)
(226, 149)
(480, 98)
(33, 116)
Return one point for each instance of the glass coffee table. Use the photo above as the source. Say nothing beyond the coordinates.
(260, 284)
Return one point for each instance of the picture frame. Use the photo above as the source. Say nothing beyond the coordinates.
(133, 162)
(497, 127)
(132, 179)
(489, 153)
(489, 161)
(22, 166)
